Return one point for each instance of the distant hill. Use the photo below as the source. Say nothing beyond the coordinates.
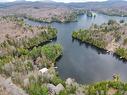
(47, 1)
(87, 5)
(115, 0)
(97, 5)
(20, 0)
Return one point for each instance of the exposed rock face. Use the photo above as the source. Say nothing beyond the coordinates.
(69, 81)
(53, 90)
(11, 88)
(59, 88)
(26, 82)
(112, 91)
(125, 93)
(80, 91)
(3, 91)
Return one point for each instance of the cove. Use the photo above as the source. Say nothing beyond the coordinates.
(81, 61)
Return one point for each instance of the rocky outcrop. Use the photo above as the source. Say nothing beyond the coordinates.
(69, 82)
(53, 90)
(11, 88)
(59, 88)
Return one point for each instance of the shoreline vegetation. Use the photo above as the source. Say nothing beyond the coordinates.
(69, 17)
(18, 62)
(109, 36)
(33, 69)
(113, 12)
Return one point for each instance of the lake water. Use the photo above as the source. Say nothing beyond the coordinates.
(81, 61)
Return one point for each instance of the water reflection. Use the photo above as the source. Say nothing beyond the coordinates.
(87, 45)
(119, 58)
(82, 61)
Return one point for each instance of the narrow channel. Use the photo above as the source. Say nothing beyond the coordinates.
(81, 61)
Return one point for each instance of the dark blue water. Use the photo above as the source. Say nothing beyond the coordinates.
(83, 62)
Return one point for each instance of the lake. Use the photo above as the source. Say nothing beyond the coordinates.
(81, 61)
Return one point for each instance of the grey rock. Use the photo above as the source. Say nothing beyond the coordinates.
(125, 93)
(59, 88)
(51, 89)
(79, 91)
(26, 82)
(69, 81)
